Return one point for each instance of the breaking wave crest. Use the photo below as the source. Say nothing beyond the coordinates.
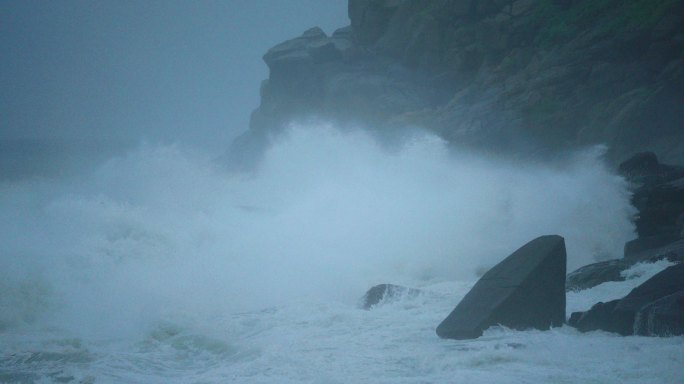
(162, 232)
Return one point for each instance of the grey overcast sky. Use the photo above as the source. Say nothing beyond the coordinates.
(186, 71)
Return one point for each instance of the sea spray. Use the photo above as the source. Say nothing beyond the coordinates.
(161, 232)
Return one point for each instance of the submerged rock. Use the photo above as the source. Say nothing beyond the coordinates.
(619, 315)
(663, 317)
(386, 292)
(525, 290)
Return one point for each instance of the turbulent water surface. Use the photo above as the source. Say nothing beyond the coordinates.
(160, 267)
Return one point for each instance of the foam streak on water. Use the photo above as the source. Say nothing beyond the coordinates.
(317, 342)
(159, 267)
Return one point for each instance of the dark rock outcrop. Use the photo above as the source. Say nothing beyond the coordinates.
(673, 251)
(531, 77)
(659, 197)
(600, 316)
(525, 290)
(334, 78)
(594, 274)
(619, 315)
(645, 169)
(660, 206)
(369, 19)
(663, 317)
(383, 293)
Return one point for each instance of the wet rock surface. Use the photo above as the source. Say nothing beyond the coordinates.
(525, 290)
(663, 317)
(383, 293)
(491, 74)
(659, 197)
(592, 275)
(619, 316)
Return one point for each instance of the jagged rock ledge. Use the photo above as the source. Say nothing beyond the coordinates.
(529, 77)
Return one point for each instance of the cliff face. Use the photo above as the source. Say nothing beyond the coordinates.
(524, 76)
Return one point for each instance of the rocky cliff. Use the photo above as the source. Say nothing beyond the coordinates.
(530, 77)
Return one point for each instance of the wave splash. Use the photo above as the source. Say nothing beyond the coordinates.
(162, 232)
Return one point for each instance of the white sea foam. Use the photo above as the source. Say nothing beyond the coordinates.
(332, 342)
(159, 267)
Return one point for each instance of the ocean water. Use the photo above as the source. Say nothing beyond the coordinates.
(159, 267)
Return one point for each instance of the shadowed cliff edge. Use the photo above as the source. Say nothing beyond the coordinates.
(531, 78)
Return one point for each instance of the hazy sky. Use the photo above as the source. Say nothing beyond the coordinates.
(185, 71)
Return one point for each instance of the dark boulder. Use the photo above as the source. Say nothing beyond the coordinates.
(619, 316)
(598, 317)
(525, 290)
(592, 275)
(383, 293)
(663, 317)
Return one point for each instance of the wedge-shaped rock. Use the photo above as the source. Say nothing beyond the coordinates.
(525, 290)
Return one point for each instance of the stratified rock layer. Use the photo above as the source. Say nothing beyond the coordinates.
(525, 290)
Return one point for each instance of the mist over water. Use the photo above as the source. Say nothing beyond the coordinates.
(162, 231)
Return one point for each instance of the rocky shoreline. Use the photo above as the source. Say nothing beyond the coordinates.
(524, 79)
(656, 307)
(529, 78)
(528, 288)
